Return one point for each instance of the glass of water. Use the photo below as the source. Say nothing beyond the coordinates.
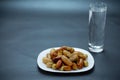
(97, 20)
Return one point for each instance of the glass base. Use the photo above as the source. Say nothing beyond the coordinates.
(95, 49)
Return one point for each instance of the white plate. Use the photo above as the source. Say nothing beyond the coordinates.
(42, 54)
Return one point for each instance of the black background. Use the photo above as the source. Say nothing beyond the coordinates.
(28, 27)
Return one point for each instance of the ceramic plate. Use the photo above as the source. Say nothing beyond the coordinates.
(42, 54)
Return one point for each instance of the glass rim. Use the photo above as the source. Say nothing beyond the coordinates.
(98, 5)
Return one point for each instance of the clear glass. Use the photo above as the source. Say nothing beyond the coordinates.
(97, 20)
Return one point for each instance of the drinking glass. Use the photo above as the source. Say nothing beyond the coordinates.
(97, 20)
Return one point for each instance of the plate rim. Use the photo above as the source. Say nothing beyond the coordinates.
(58, 71)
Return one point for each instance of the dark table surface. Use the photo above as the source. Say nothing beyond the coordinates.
(25, 33)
